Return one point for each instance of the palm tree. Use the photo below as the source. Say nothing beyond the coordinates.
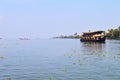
(119, 31)
(110, 31)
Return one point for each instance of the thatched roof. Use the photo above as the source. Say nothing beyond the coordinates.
(95, 32)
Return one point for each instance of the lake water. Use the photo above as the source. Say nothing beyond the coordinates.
(59, 59)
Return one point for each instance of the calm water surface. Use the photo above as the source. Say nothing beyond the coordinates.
(59, 59)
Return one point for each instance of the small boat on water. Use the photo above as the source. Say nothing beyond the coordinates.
(24, 38)
(96, 36)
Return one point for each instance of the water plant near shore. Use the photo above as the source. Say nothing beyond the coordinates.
(51, 78)
(2, 57)
(64, 70)
(9, 78)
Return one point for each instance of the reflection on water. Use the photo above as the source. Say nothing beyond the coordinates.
(93, 47)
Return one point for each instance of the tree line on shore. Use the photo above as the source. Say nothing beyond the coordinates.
(113, 33)
(74, 36)
(110, 34)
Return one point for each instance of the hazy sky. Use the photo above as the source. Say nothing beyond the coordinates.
(48, 18)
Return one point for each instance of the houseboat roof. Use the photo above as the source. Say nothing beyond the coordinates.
(95, 32)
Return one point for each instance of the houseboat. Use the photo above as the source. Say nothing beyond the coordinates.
(96, 36)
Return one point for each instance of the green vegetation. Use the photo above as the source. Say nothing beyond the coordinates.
(9, 78)
(64, 70)
(113, 33)
(51, 78)
(2, 57)
(74, 36)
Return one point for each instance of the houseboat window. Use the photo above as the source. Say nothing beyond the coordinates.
(102, 33)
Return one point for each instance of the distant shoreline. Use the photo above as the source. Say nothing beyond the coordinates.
(67, 37)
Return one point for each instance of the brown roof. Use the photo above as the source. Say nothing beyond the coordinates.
(95, 32)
